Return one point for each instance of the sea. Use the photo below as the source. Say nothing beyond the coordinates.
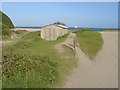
(73, 28)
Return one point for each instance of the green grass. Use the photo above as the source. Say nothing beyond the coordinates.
(31, 46)
(72, 31)
(6, 20)
(17, 33)
(5, 24)
(5, 30)
(90, 41)
(25, 71)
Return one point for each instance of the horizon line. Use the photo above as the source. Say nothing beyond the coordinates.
(69, 27)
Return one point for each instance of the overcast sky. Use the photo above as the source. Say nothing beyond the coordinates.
(82, 14)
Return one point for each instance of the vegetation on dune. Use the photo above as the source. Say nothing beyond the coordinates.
(90, 41)
(33, 71)
(14, 36)
(34, 63)
(73, 31)
(32, 36)
(5, 24)
(6, 20)
(20, 32)
(5, 30)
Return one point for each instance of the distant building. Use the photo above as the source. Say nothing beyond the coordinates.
(53, 31)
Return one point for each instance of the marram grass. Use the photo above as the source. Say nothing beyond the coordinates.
(89, 41)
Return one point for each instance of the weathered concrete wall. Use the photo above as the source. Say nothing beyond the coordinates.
(52, 32)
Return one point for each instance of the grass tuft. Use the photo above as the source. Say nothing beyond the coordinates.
(90, 41)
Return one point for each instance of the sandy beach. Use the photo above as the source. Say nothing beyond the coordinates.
(100, 73)
(27, 29)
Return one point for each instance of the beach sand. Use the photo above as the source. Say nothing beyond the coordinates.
(27, 29)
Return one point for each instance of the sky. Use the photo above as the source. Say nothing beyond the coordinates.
(81, 14)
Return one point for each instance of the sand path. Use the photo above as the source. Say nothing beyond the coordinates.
(101, 73)
(68, 42)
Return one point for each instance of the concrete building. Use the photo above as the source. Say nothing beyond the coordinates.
(52, 31)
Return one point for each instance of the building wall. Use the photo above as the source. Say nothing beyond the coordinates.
(52, 32)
